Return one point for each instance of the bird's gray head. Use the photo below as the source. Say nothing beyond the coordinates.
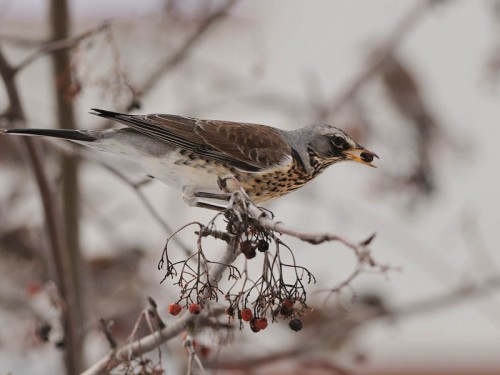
(333, 145)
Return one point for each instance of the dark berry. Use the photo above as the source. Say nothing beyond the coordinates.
(253, 325)
(295, 325)
(251, 254)
(44, 331)
(263, 245)
(248, 249)
(230, 310)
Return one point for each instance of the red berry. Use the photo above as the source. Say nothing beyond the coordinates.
(194, 308)
(261, 323)
(246, 314)
(287, 307)
(174, 309)
(288, 304)
(204, 351)
(33, 288)
(246, 246)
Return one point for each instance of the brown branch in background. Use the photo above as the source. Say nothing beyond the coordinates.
(62, 263)
(59, 45)
(20, 41)
(378, 58)
(107, 325)
(70, 192)
(405, 95)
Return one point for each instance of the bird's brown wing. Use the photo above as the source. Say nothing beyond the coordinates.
(257, 145)
(249, 147)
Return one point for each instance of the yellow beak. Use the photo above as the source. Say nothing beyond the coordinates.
(361, 155)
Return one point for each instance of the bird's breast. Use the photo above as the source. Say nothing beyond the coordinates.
(265, 186)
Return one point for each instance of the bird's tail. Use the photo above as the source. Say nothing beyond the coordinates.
(72, 135)
(106, 114)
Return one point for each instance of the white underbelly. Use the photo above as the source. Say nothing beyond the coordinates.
(170, 171)
(160, 160)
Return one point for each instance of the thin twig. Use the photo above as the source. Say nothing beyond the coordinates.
(20, 41)
(106, 328)
(61, 44)
(153, 309)
(193, 357)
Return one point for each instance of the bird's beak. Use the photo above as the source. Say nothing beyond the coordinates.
(361, 155)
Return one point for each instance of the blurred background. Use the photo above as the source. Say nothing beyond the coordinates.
(414, 81)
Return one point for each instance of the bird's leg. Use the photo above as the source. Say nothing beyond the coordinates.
(238, 194)
(190, 196)
(210, 206)
(235, 185)
(218, 196)
(223, 183)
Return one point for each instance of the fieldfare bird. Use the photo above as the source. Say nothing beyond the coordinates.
(194, 155)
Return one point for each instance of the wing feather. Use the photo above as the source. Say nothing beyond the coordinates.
(249, 147)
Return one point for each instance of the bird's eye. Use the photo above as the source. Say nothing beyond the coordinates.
(338, 141)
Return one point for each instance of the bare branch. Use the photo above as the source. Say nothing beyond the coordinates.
(20, 41)
(152, 341)
(314, 238)
(106, 328)
(61, 44)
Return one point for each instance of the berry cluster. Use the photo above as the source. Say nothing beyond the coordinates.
(277, 293)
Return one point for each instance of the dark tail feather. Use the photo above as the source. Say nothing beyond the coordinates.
(123, 118)
(106, 114)
(73, 135)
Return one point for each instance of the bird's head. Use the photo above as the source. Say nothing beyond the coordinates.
(333, 145)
